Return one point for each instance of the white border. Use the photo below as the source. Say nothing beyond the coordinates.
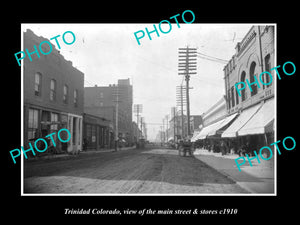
(150, 194)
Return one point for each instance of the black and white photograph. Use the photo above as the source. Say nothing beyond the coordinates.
(174, 108)
(150, 111)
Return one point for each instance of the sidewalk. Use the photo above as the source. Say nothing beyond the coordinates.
(258, 179)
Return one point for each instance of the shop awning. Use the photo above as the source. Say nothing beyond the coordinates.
(196, 133)
(243, 118)
(218, 128)
(208, 129)
(262, 122)
(170, 139)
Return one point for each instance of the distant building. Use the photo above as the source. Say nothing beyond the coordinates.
(175, 126)
(213, 119)
(101, 101)
(53, 95)
(136, 131)
(215, 112)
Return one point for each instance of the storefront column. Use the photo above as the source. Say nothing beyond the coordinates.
(70, 127)
(76, 145)
(80, 133)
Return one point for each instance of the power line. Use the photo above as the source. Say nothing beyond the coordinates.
(212, 58)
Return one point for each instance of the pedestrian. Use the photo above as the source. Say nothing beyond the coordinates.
(85, 144)
(223, 147)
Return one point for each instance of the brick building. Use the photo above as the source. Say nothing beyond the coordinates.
(97, 132)
(246, 120)
(101, 101)
(175, 129)
(52, 94)
(254, 126)
(214, 122)
(254, 55)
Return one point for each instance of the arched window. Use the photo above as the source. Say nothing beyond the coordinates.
(243, 78)
(267, 68)
(252, 74)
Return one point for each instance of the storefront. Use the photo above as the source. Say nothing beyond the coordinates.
(39, 122)
(96, 132)
(254, 127)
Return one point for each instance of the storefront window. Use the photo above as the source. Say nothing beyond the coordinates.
(54, 122)
(32, 123)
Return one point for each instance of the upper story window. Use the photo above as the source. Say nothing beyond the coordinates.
(228, 99)
(37, 84)
(237, 96)
(66, 92)
(232, 96)
(252, 78)
(53, 90)
(267, 68)
(243, 79)
(75, 98)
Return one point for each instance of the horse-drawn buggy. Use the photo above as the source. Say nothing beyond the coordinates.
(185, 148)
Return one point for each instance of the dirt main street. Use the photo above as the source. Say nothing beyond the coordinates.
(148, 171)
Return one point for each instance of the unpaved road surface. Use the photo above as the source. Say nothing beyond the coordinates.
(148, 171)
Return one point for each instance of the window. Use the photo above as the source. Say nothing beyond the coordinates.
(101, 94)
(37, 84)
(53, 90)
(232, 96)
(243, 78)
(236, 97)
(228, 98)
(33, 115)
(267, 68)
(252, 75)
(75, 98)
(54, 126)
(65, 96)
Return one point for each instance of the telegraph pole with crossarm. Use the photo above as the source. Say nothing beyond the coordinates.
(187, 66)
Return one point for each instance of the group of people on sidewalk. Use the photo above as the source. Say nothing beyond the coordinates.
(229, 146)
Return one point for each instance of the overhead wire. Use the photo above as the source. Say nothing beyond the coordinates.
(211, 58)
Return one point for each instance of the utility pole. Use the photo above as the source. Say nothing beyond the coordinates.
(137, 108)
(181, 101)
(187, 64)
(173, 113)
(167, 134)
(142, 123)
(164, 133)
(116, 94)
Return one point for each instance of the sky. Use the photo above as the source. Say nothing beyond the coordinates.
(108, 52)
